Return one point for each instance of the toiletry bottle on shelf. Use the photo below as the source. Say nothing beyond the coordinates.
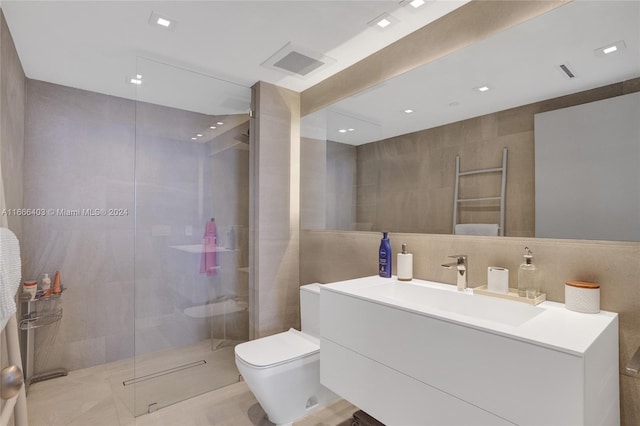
(57, 284)
(405, 265)
(231, 236)
(46, 285)
(528, 284)
(384, 257)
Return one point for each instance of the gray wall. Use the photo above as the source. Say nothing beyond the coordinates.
(341, 186)
(12, 110)
(588, 171)
(327, 185)
(79, 153)
(313, 183)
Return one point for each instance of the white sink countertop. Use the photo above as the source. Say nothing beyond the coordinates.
(548, 324)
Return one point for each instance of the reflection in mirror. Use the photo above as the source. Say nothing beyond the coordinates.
(385, 159)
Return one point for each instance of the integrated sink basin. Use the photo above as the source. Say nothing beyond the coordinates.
(425, 298)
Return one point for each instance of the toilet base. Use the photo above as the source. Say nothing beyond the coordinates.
(288, 390)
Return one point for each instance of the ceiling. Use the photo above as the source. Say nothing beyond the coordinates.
(207, 62)
(519, 65)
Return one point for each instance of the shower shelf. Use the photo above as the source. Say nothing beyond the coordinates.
(224, 307)
(45, 311)
(40, 320)
(197, 249)
(34, 314)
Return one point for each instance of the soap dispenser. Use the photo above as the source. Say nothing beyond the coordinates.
(528, 283)
(405, 265)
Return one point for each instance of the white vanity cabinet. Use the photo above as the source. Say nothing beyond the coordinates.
(421, 353)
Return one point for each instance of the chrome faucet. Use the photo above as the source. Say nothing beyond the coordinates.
(461, 266)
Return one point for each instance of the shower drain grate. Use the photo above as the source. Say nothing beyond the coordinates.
(163, 372)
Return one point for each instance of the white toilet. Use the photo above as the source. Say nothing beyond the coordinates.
(283, 370)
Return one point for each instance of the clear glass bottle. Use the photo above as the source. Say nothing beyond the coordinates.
(528, 282)
(46, 285)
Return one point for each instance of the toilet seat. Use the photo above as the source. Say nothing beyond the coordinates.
(277, 349)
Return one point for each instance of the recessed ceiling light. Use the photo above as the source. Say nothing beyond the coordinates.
(162, 21)
(610, 48)
(212, 127)
(194, 138)
(350, 130)
(219, 123)
(199, 135)
(137, 79)
(483, 89)
(343, 130)
(413, 3)
(383, 21)
(408, 111)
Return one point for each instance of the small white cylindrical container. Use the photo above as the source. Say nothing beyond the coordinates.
(582, 296)
(31, 288)
(498, 279)
(405, 265)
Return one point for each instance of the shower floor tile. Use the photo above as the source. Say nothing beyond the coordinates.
(88, 397)
(199, 371)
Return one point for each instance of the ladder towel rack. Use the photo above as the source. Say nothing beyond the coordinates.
(456, 200)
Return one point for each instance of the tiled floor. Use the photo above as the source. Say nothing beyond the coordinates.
(90, 397)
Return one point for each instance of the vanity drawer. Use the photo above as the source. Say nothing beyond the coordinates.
(392, 398)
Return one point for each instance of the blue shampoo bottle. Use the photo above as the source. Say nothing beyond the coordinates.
(384, 257)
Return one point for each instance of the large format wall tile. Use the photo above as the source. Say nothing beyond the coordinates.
(276, 188)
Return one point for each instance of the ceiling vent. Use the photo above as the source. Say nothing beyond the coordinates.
(297, 61)
(565, 69)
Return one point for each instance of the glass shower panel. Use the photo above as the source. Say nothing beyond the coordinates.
(191, 234)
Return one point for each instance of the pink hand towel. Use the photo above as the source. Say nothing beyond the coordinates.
(208, 262)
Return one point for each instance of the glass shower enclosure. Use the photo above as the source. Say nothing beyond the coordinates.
(191, 234)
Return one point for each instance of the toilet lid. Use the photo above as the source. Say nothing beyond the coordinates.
(277, 349)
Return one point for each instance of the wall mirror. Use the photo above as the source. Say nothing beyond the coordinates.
(385, 158)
